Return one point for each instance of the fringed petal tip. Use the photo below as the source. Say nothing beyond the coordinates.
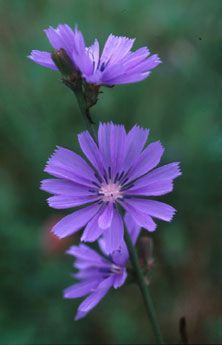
(137, 126)
(116, 37)
(174, 211)
(51, 158)
(179, 170)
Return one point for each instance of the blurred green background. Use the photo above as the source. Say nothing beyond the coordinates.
(180, 102)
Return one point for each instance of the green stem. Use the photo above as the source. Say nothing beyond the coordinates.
(85, 113)
(144, 289)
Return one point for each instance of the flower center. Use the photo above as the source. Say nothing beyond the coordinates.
(110, 192)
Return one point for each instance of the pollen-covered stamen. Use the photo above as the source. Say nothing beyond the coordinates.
(116, 269)
(112, 268)
(110, 192)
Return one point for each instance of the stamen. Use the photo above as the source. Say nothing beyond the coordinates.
(103, 66)
(109, 172)
(116, 269)
(105, 270)
(121, 175)
(105, 178)
(99, 178)
(127, 186)
(95, 184)
(91, 190)
(116, 177)
(125, 180)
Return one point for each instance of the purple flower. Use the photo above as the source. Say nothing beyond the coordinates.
(98, 274)
(119, 174)
(117, 64)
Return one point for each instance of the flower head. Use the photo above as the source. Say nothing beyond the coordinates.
(117, 64)
(97, 274)
(120, 173)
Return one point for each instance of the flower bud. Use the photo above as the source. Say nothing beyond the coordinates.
(145, 246)
(64, 63)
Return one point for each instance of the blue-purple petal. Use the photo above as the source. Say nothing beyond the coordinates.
(153, 208)
(64, 201)
(87, 254)
(132, 228)
(81, 289)
(42, 58)
(92, 230)
(151, 189)
(91, 151)
(147, 160)
(75, 221)
(114, 235)
(92, 300)
(119, 279)
(141, 218)
(64, 187)
(115, 49)
(106, 217)
(68, 165)
(136, 139)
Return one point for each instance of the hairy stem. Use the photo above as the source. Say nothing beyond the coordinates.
(144, 289)
(85, 113)
(84, 109)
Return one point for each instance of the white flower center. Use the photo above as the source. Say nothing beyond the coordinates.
(110, 192)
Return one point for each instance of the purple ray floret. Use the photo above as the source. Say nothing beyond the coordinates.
(97, 274)
(120, 173)
(117, 64)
